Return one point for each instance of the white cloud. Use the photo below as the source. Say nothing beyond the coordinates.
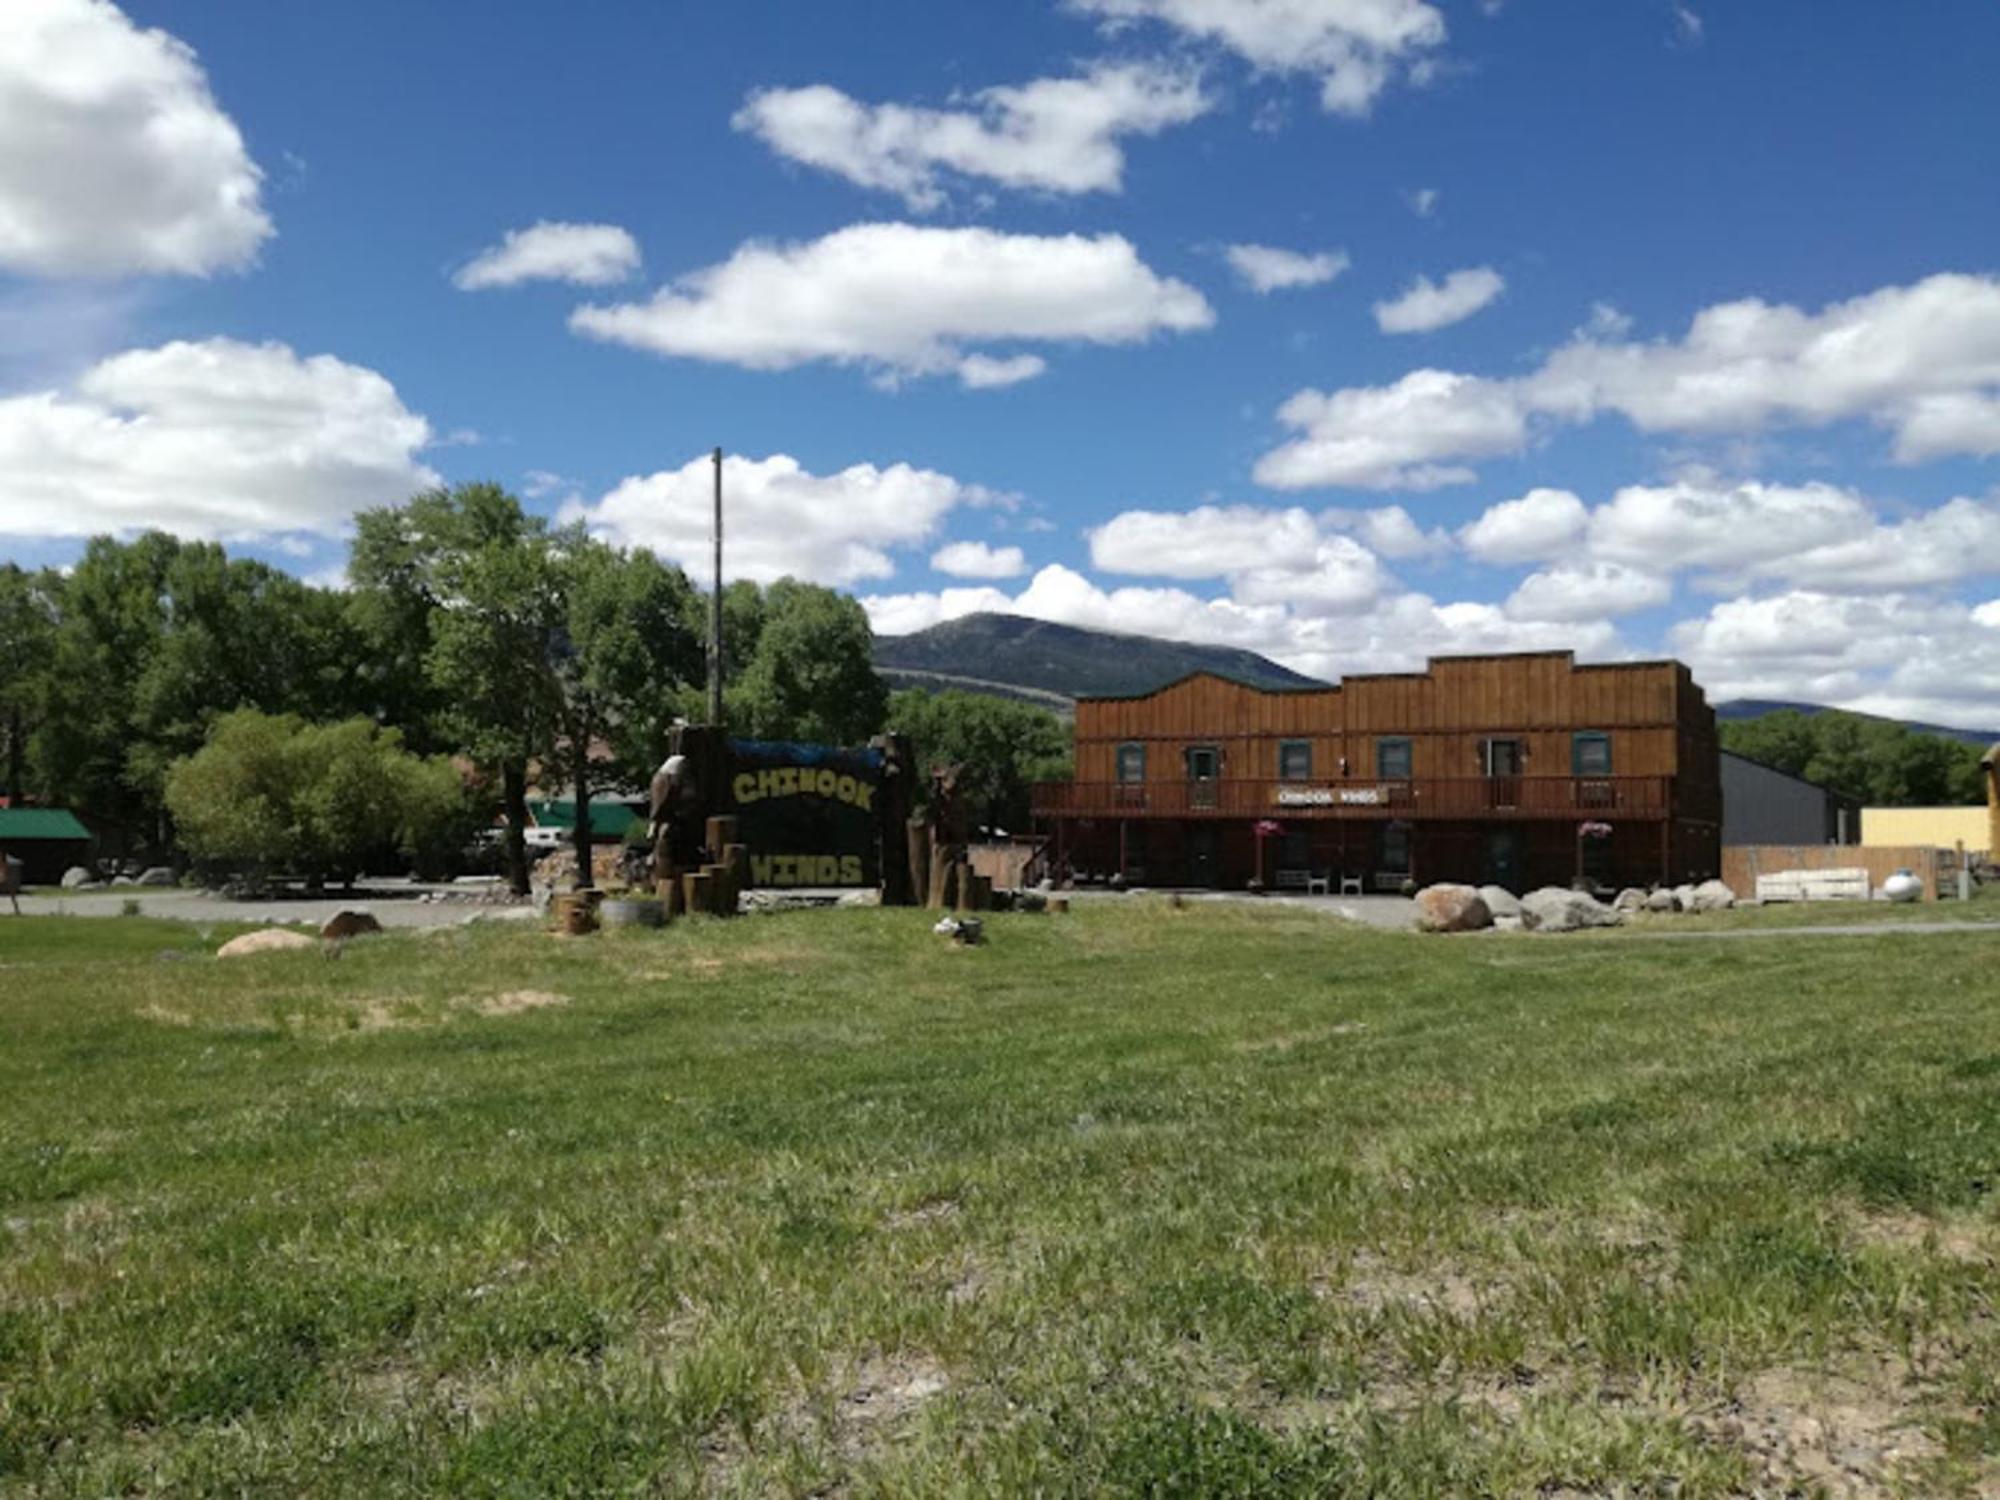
(1587, 591)
(114, 156)
(1426, 305)
(1355, 48)
(978, 560)
(982, 372)
(779, 519)
(905, 300)
(581, 254)
(213, 440)
(1265, 268)
(1270, 557)
(1544, 523)
(1811, 535)
(1988, 614)
(1390, 531)
(1391, 437)
(1396, 633)
(1058, 135)
(1423, 201)
(1922, 361)
(1902, 655)
(1688, 25)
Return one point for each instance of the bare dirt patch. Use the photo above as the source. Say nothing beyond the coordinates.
(888, 1390)
(1846, 1432)
(1954, 1240)
(512, 1002)
(1371, 1283)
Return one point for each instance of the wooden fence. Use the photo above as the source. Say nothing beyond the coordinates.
(1743, 863)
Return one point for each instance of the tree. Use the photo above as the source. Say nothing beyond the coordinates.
(811, 675)
(28, 612)
(621, 658)
(475, 568)
(271, 793)
(1877, 762)
(1001, 747)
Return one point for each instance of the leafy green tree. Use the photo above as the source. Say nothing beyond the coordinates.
(621, 659)
(1002, 747)
(28, 613)
(1877, 762)
(476, 570)
(271, 793)
(812, 674)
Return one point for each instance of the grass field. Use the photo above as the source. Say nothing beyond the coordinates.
(1131, 1201)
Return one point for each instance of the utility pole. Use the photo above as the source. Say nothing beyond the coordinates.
(715, 611)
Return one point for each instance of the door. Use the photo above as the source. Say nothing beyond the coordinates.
(1201, 859)
(1204, 766)
(1501, 861)
(1503, 773)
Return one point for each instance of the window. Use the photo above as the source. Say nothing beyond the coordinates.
(1131, 763)
(1295, 851)
(1395, 848)
(1295, 760)
(1590, 753)
(1392, 759)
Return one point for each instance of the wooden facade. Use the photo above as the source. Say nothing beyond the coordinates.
(1500, 769)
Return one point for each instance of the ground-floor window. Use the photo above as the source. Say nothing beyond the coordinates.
(1393, 849)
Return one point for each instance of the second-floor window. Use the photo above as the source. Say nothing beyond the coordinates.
(1392, 759)
(1590, 753)
(1131, 763)
(1295, 760)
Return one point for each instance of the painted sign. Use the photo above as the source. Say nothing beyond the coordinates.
(807, 813)
(1305, 796)
(1326, 796)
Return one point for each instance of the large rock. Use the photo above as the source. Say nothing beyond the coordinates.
(1553, 909)
(1630, 899)
(1712, 895)
(1500, 901)
(158, 875)
(266, 940)
(77, 875)
(1662, 900)
(347, 924)
(1451, 908)
(1684, 894)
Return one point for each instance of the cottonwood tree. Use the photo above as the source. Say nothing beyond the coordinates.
(28, 612)
(811, 674)
(1001, 747)
(477, 570)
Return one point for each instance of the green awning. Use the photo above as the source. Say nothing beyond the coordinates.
(21, 825)
(608, 819)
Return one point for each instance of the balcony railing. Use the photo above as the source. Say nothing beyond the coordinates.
(1592, 797)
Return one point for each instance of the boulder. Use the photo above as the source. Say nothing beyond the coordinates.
(1712, 895)
(267, 940)
(158, 875)
(1553, 909)
(1500, 901)
(347, 924)
(1630, 899)
(1662, 901)
(1685, 895)
(1451, 908)
(77, 875)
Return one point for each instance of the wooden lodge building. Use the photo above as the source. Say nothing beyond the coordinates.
(1518, 770)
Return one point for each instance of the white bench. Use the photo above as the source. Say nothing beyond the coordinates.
(1304, 880)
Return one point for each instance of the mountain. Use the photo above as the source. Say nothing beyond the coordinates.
(1756, 708)
(1033, 660)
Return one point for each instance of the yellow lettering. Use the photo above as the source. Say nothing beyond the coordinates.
(850, 869)
(864, 796)
(745, 787)
(788, 781)
(825, 783)
(844, 789)
(826, 870)
(760, 869)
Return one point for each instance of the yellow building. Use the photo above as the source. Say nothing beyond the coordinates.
(1940, 827)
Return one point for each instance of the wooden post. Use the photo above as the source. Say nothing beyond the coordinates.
(673, 898)
(917, 836)
(715, 612)
(721, 890)
(695, 893)
(736, 859)
(1121, 851)
(1666, 858)
(719, 833)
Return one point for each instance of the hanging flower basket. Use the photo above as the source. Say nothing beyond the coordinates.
(1266, 829)
(1593, 830)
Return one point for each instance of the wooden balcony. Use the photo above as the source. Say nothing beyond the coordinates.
(1481, 798)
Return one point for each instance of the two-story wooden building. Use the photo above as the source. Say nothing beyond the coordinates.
(1516, 770)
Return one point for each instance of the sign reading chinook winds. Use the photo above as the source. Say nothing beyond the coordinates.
(808, 814)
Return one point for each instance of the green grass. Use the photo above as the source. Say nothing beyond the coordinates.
(1133, 1201)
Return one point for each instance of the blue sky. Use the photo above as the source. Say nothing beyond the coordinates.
(1703, 357)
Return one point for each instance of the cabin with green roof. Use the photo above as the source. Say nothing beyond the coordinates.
(45, 840)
